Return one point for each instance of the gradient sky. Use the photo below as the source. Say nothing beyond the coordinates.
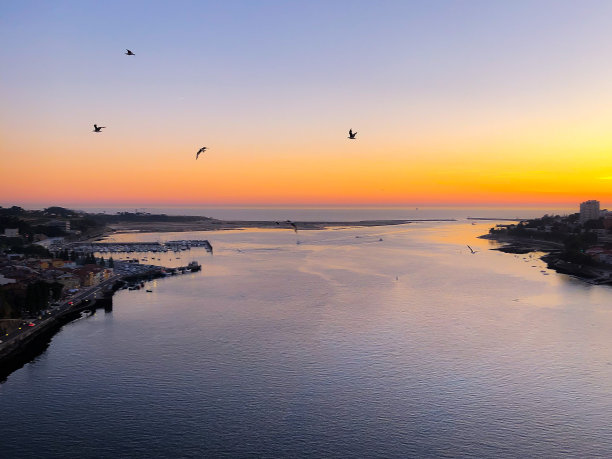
(455, 102)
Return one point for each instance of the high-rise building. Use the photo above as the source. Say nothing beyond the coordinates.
(589, 210)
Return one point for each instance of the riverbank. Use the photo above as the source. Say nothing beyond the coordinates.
(30, 340)
(599, 275)
(26, 346)
(23, 345)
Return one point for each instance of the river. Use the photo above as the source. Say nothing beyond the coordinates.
(358, 342)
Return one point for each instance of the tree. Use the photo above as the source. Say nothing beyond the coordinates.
(111, 262)
(60, 211)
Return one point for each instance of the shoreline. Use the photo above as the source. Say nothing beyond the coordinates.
(594, 275)
(25, 346)
(221, 225)
(32, 342)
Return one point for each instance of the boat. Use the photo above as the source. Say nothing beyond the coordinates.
(194, 266)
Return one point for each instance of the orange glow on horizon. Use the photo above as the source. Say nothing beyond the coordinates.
(548, 164)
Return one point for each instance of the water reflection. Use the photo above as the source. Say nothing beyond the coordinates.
(342, 345)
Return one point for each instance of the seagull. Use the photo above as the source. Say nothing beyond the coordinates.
(129, 53)
(472, 250)
(352, 134)
(98, 128)
(201, 150)
(292, 224)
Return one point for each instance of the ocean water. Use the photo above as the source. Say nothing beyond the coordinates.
(343, 214)
(353, 342)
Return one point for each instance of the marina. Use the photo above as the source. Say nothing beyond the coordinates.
(131, 247)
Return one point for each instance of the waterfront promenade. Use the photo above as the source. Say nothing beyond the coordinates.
(72, 304)
(16, 347)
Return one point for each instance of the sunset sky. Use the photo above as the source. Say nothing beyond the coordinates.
(454, 102)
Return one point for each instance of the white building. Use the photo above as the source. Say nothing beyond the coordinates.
(589, 210)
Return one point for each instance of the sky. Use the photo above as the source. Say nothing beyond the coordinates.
(454, 102)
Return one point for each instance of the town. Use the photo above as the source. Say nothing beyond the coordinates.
(579, 244)
(49, 271)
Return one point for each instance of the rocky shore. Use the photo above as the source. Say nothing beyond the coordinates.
(553, 251)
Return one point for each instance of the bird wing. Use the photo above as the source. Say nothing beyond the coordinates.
(471, 250)
(351, 132)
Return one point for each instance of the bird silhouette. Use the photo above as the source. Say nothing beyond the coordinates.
(129, 53)
(201, 150)
(98, 128)
(472, 250)
(352, 134)
(292, 224)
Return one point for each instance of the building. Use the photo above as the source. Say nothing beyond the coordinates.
(64, 225)
(69, 281)
(11, 232)
(589, 210)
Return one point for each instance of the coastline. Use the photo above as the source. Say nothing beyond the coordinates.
(30, 343)
(596, 275)
(219, 225)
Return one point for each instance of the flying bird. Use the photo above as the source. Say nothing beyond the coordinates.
(472, 250)
(129, 53)
(292, 224)
(201, 150)
(98, 128)
(352, 134)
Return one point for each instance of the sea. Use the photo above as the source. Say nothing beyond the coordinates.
(389, 341)
(341, 213)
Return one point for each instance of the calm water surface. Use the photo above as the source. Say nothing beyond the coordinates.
(344, 214)
(328, 344)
